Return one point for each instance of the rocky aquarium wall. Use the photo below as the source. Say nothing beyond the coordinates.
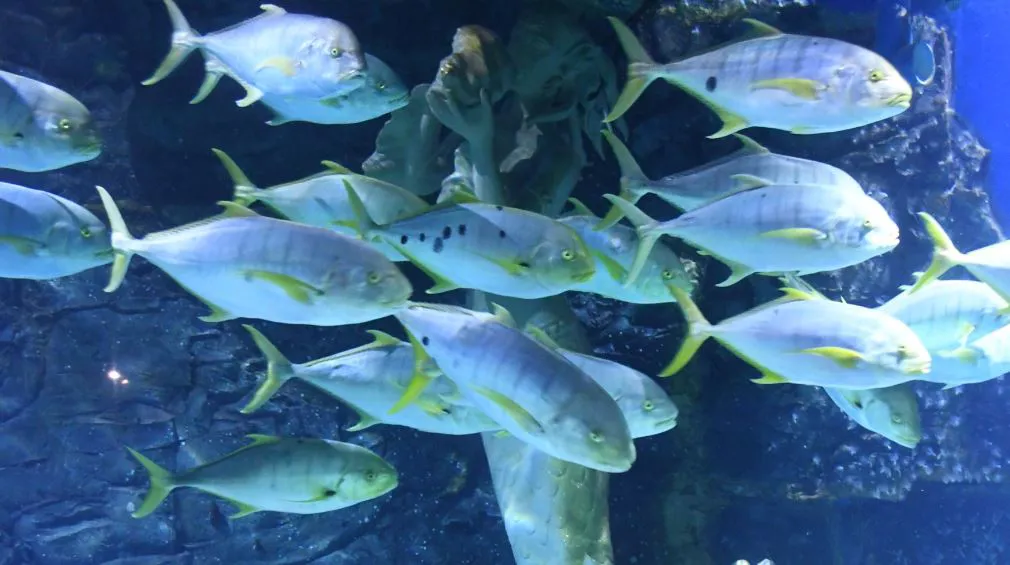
(749, 472)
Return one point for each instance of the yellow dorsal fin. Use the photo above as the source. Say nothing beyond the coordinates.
(261, 439)
(383, 339)
(760, 29)
(234, 210)
(541, 336)
(580, 209)
(338, 168)
(502, 315)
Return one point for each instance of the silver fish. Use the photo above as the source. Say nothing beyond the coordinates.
(44, 236)
(892, 412)
(274, 54)
(795, 83)
(42, 127)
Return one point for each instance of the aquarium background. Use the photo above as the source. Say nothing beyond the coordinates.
(748, 473)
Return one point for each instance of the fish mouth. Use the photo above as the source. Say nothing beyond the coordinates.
(903, 100)
(584, 276)
(666, 421)
(907, 441)
(105, 254)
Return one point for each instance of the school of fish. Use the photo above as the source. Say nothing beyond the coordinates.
(330, 254)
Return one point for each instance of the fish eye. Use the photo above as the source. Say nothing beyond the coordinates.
(648, 406)
(876, 75)
(64, 124)
(380, 85)
(335, 52)
(867, 224)
(85, 232)
(369, 475)
(568, 255)
(897, 420)
(667, 274)
(329, 492)
(374, 277)
(596, 437)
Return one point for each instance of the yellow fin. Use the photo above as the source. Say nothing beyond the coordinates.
(338, 168)
(738, 272)
(640, 66)
(799, 87)
(420, 379)
(964, 331)
(797, 294)
(364, 422)
(244, 509)
(731, 123)
(442, 284)
(286, 65)
(807, 236)
(299, 291)
(511, 266)
(760, 29)
(502, 433)
(261, 439)
(235, 210)
(770, 379)
(964, 354)
(698, 330)
(518, 414)
(745, 181)
(613, 268)
(580, 209)
(382, 339)
(22, 245)
(217, 314)
(431, 407)
(541, 336)
(845, 357)
(945, 254)
(749, 145)
(503, 316)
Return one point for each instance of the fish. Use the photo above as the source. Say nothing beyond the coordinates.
(294, 475)
(243, 265)
(44, 236)
(321, 199)
(749, 167)
(614, 250)
(275, 54)
(371, 379)
(989, 264)
(646, 406)
(464, 243)
(977, 361)
(382, 93)
(534, 392)
(801, 229)
(803, 339)
(892, 412)
(43, 128)
(946, 314)
(795, 83)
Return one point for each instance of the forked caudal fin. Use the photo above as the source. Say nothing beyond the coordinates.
(945, 254)
(121, 241)
(184, 42)
(279, 370)
(245, 192)
(161, 485)
(698, 330)
(632, 178)
(640, 65)
(647, 237)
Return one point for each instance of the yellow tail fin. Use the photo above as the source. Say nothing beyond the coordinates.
(161, 485)
(698, 330)
(640, 65)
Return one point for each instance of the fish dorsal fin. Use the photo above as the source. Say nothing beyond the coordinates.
(749, 145)
(541, 336)
(382, 339)
(338, 168)
(273, 9)
(503, 316)
(759, 29)
(580, 209)
(234, 210)
(261, 439)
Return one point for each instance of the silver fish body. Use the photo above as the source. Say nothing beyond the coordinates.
(45, 236)
(892, 412)
(276, 54)
(531, 390)
(383, 92)
(980, 360)
(42, 127)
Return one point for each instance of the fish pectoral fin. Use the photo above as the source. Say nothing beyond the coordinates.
(518, 414)
(847, 358)
(613, 268)
(768, 378)
(432, 408)
(22, 245)
(503, 316)
(286, 65)
(512, 267)
(807, 236)
(297, 290)
(799, 87)
(746, 182)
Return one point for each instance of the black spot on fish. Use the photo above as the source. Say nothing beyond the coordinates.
(461, 229)
(329, 492)
(710, 84)
(523, 264)
(19, 136)
(425, 341)
(446, 232)
(422, 237)
(437, 246)
(499, 208)
(501, 234)
(404, 239)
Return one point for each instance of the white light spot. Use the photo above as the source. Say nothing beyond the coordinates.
(114, 375)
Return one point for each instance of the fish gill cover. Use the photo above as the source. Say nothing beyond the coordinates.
(502, 102)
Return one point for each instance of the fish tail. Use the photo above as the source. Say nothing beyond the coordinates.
(279, 370)
(945, 254)
(162, 483)
(698, 330)
(640, 66)
(632, 178)
(644, 227)
(245, 192)
(123, 244)
(184, 42)
(421, 377)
